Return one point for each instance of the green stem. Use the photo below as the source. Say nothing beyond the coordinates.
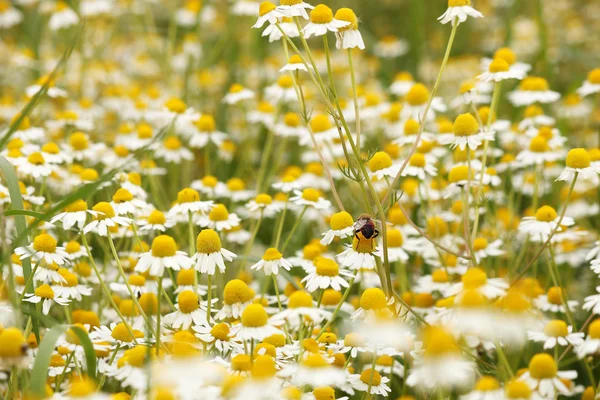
(293, 230)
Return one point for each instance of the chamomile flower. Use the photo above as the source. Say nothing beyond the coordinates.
(552, 301)
(75, 214)
(47, 297)
(14, 350)
(171, 150)
(155, 221)
(373, 304)
(322, 21)
(556, 332)
(544, 377)
(62, 17)
(324, 274)
(205, 132)
(538, 152)
(104, 219)
(137, 283)
(476, 278)
(360, 255)
(188, 201)
(458, 11)
(484, 249)
(316, 371)
(578, 162)
(188, 311)
(70, 287)
(218, 337)
(592, 302)
(499, 70)
(342, 226)
(532, 90)
(591, 85)
(34, 166)
(591, 344)
(255, 324)
(267, 12)
(419, 167)
(294, 8)
(44, 248)
(545, 221)
(466, 133)
(348, 37)
(310, 197)
(236, 297)
(9, 15)
(210, 254)
(301, 308)
(271, 261)
(237, 93)
(124, 203)
(163, 254)
(486, 388)
(381, 165)
(391, 47)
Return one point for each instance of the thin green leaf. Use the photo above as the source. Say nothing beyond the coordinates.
(12, 182)
(34, 100)
(27, 213)
(88, 347)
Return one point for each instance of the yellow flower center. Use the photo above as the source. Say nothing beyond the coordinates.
(290, 2)
(327, 267)
(206, 123)
(175, 105)
(474, 278)
(272, 254)
(88, 175)
(534, 83)
(300, 299)
(354, 339)
(149, 303)
(315, 360)
(44, 291)
(411, 127)
(594, 76)
(487, 384)
(439, 276)
(185, 277)
(254, 316)
(578, 158)
(370, 376)
(394, 238)
(187, 301)
(105, 210)
(594, 329)
(210, 181)
(340, 220)
(324, 393)
(506, 54)
(156, 218)
(263, 199)
(436, 226)
(373, 299)
(438, 341)
(264, 367)
(480, 243)
(219, 213)
(417, 160)
(44, 243)
(12, 343)
(120, 332)
(241, 362)
(555, 295)
(172, 143)
(265, 8)
(79, 141)
(573, 99)
(347, 15)
(82, 387)
(556, 328)
(292, 119)
(188, 195)
(144, 131)
(285, 81)
(276, 340)
(423, 300)
(465, 125)
(208, 242)
(237, 291)
(458, 173)
(472, 298)
(546, 214)
(235, 184)
(380, 160)
(542, 366)
(320, 123)
(220, 331)
(122, 196)
(518, 390)
(321, 14)
(417, 95)
(163, 246)
(498, 65)
(137, 280)
(36, 158)
(466, 87)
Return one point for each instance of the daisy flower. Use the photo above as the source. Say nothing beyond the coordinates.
(48, 273)
(9, 15)
(486, 388)
(322, 21)
(591, 85)
(544, 378)
(44, 248)
(360, 255)
(262, 203)
(556, 332)
(163, 254)
(236, 296)
(300, 309)
(255, 324)
(63, 16)
(592, 302)
(34, 166)
(373, 304)
(578, 161)
(294, 8)
(237, 93)
(124, 203)
(532, 90)
(465, 133)
(591, 345)
(156, 221)
(476, 278)
(326, 273)
(205, 131)
(395, 240)
(171, 150)
(419, 167)
(210, 254)
(188, 312)
(47, 296)
(188, 201)
(545, 221)
(218, 337)
(316, 371)
(104, 219)
(538, 152)
(381, 166)
(219, 219)
(267, 12)
(372, 379)
(552, 301)
(271, 261)
(458, 11)
(403, 81)
(499, 70)
(342, 226)
(137, 283)
(484, 249)
(348, 37)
